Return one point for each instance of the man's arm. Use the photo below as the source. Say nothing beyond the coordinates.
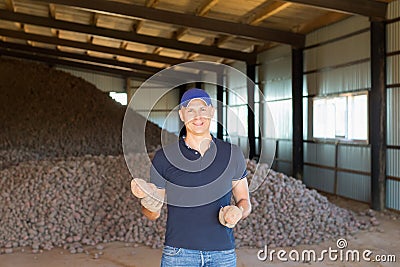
(153, 215)
(240, 191)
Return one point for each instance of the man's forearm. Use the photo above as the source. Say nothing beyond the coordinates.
(150, 214)
(245, 206)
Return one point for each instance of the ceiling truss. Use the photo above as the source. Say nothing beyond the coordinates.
(197, 34)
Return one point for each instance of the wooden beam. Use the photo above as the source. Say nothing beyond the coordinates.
(91, 47)
(123, 45)
(64, 62)
(200, 11)
(223, 39)
(265, 11)
(192, 56)
(95, 18)
(139, 24)
(180, 33)
(321, 21)
(123, 35)
(205, 7)
(163, 79)
(187, 20)
(377, 115)
(57, 53)
(52, 11)
(257, 15)
(151, 3)
(10, 5)
(157, 50)
(368, 8)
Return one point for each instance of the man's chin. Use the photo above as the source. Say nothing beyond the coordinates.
(198, 131)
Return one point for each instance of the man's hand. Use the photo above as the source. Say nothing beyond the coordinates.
(151, 199)
(140, 188)
(230, 215)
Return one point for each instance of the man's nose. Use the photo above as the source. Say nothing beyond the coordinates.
(197, 114)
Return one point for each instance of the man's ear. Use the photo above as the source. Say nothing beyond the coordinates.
(180, 115)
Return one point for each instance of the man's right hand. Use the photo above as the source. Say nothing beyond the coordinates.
(151, 198)
(140, 188)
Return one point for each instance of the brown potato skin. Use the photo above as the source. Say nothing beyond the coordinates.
(152, 216)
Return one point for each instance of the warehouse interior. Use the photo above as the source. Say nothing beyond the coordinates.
(329, 73)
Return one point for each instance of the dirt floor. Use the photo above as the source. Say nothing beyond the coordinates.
(381, 240)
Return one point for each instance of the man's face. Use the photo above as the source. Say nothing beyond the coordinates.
(197, 117)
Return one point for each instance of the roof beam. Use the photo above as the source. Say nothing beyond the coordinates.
(10, 5)
(200, 11)
(205, 7)
(188, 20)
(123, 35)
(257, 15)
(64, 62)
(139, 24)
(89, 46)
(57, 53)
(151, 3)
(265, 11)
(321, 21)
(163, 78)
(367, 8)
(52, 11)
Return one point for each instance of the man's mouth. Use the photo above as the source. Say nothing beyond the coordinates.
(198, 123)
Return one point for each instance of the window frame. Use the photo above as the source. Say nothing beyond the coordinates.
(341, 139)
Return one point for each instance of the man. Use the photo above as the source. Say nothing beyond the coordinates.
(198, 175)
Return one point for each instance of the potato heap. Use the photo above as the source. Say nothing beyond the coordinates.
(64, 181)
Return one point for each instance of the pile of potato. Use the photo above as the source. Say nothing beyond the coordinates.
(64, 181)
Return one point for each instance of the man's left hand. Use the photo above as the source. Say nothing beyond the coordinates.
(230, 215)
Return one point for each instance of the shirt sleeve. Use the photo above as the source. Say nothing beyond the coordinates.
(241, 170)
(157, 170)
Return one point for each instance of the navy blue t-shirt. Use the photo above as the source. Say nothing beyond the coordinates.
(196, 188)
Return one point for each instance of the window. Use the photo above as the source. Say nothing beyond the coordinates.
(121, 98)
(341, 117)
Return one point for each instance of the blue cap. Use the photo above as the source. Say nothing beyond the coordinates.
(195, 93)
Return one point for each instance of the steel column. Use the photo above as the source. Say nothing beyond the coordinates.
(377, 115)
(297, 106)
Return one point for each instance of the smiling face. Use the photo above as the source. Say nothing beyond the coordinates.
(197, 117)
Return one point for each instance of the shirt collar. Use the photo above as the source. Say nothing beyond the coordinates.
(182, 141)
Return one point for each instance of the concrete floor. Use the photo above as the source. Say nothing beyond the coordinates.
(384, 240)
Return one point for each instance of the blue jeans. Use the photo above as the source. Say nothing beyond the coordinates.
(175, 257)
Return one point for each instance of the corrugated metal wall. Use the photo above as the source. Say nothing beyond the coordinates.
(393, 107)
(162, 102)
(103, 82)
(211, 89)
(275, 82)
(336, 60)
(236, 109)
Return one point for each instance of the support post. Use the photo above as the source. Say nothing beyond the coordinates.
(297, 107)
(251, 74)
(182, 89)
(220, 101)
(199, 85)
(377, 115)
